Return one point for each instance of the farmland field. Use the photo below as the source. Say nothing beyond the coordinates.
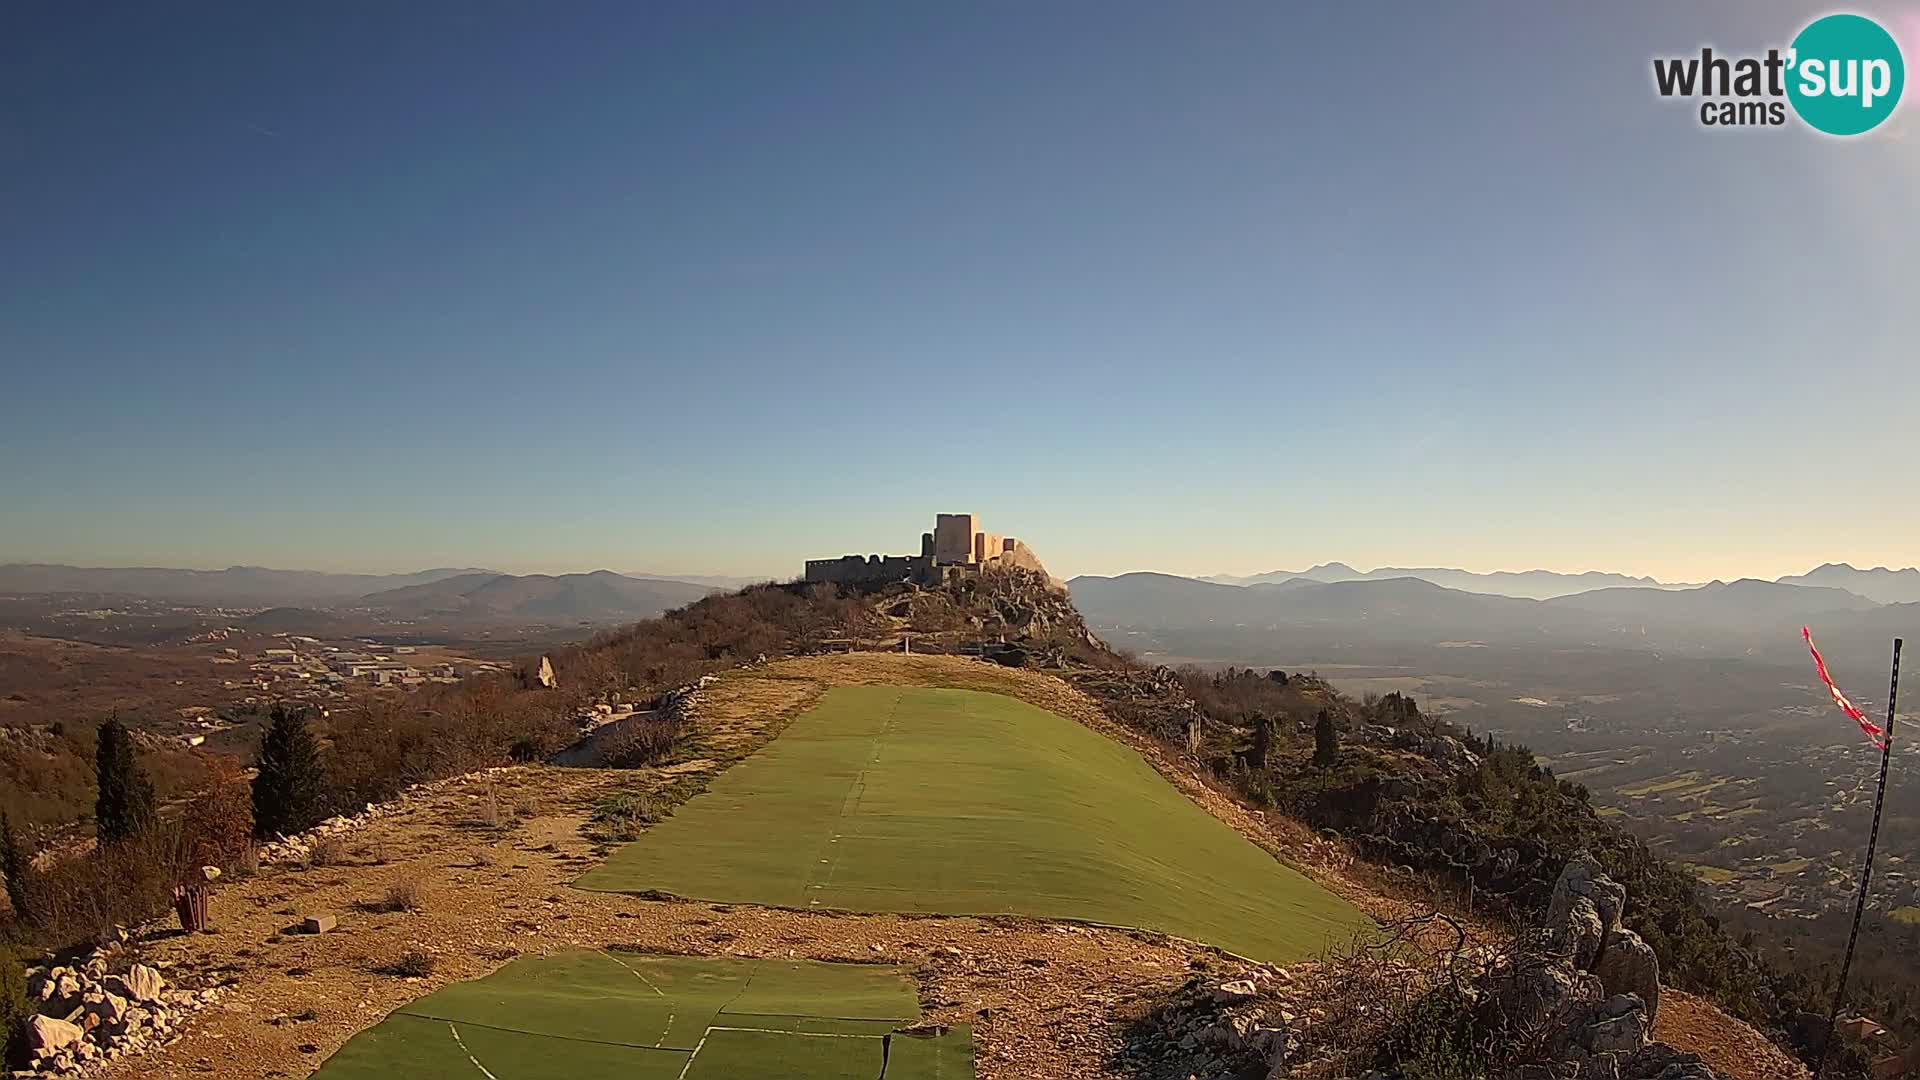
(888, 798)
(599, 1014)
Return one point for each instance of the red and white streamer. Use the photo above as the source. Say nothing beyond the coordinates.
(1873, 730)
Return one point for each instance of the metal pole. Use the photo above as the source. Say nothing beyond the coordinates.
(1866, 868)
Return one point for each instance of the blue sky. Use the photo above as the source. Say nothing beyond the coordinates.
(1198, 288)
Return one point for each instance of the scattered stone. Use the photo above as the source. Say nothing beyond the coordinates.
(1233, 993)
(91, 1013)
(318, 924)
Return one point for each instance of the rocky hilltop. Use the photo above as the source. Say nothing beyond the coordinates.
(1509, 935)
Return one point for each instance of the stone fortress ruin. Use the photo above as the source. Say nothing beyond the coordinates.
(955, 547)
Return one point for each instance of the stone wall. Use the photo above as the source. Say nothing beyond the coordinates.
(868, 569)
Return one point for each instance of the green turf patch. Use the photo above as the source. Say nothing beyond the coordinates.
(614, 1014)
(944, 1057)
(778, 1055)
(422, 1049)
(958, 802)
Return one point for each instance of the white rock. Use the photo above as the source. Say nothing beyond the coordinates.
(47, 1036)
(141, 983)
(1233, 993)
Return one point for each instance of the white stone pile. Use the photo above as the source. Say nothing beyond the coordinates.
(1216, 1029)
(88, 1014)
(298, 847)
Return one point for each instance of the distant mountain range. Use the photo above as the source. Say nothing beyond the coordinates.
(1886, 586)
(1720, 617)
(240, 586)
(1525, 584)
(1879, 584)
(600, 596)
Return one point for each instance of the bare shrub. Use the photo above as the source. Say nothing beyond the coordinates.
(217, 823)
(327, 851)
(622, 816)
(487, 815)
(120, 884)
(411, 964)
(641, 742)
(407, 894)
(1406, 998)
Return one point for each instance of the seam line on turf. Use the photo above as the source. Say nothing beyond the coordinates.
(857, 793)
(648, 983)
(463, 1049)
(450, 1021)
(799, 1034)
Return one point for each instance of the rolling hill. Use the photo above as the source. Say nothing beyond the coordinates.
(242, 586)
(601, 596)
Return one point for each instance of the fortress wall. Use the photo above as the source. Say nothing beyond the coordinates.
(857, 569)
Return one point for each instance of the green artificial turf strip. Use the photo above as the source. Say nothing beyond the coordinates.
(958, 802)
(817, 1025)
(421, 1049)
(857, 991)
(604, 1014)
(769, 1055)
(944, 1057)
(575, 995)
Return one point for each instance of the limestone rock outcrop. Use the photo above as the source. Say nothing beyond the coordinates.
(1585, 988)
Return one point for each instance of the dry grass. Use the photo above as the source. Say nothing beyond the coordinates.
(406, 894)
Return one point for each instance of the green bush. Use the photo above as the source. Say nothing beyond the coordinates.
(14, 1009)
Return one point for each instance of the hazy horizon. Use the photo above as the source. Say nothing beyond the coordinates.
(727, 288)
(794, 570)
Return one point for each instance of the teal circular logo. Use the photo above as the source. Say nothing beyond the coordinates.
(1844, 74)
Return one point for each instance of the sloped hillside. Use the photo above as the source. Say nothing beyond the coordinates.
(600, 596)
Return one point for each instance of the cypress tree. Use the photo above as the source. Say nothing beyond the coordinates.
(1262, 741)
(124, 807)
(289, 790)
(1326, 741)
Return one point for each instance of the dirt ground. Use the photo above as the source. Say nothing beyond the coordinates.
(491, 858)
